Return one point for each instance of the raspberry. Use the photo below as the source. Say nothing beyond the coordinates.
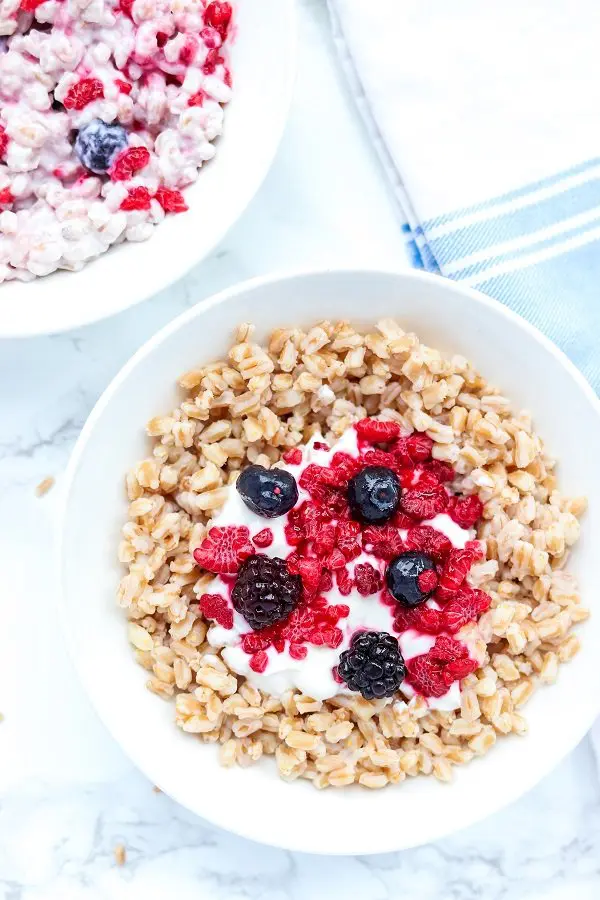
(402, 520)
(211, 37)
(476, 549)
(293, 457)
(171, 201)
(265, 591)
(348, 538)
(188, 52)
(454, 573)
(310, 572)
(218, 15)
(367, 578)
(258, 662)
(346, 464)
(383, 541)
(326, 582)
(298, 651)
(124, 86)
(446, 649)
(213, 59)
(413, 449)
(315, 476)
(344, 581)
(254, 641)
(6, 197)
(424, 504)
(465, 607)
(324, 541)
(197, 99)
(443, 471)
(293, 534)
(83, 92)
(465, 511)
(125, 7)
(336, 560)
(137, 198)
(311, 518)
(377, 432)
(459, 669)
(321, 445)
(129, 162)
(30, 5)
(214, 606)
(381, 458)
(419, 618)
(3, 141)
(263, 539)
(426, 676)
(223, 549)
(430, 541)
(373, 665)
(427, 581)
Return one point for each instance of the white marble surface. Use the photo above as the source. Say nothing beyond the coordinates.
(68, 796)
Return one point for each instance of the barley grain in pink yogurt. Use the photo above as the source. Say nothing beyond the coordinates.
(108, 109)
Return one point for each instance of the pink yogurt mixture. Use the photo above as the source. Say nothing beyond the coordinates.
(158, 68)
(342, 565)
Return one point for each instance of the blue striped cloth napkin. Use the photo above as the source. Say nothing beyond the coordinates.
(486, 117)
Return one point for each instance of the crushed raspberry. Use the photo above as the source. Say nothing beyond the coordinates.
(124, 86)
(298, 651)
(465, 511)
(293, 457)
(293, 534)
(430, 541)
(427, 581)
(459, 669)
(3, 141)
(310, 573)
(211, 37)
(383, 458)
(197, 99)
(254, 641)
(456, 569)
(227, 77)
(383, 541)
(214, 606)
(321, 445)
(213, 59)
(129, 162)
(30, 5)
(324, 541)
(348, 538)
(263, 539)
(413, 449)
(446, 649)
(224, 548)
(344, 581)
(188, 51)
(420, 618)
(171, 201)
(345, 463)
(336, 560)
(426, 676)
(6, 197)
(125, 7)
(218, 15)
(83, 92)
(476, 549)
(465, 607)
(137, 198)
(326, 582)
(443, 471)
(368, 579)
(377, 432)
(258, 662)
(424, 504)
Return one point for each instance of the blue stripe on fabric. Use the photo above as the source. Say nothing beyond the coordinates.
(560, 297)
(554, 241)
(582, 198)
(511, 195)
(416, 258)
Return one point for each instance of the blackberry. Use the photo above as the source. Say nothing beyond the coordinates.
(373, 665)
(374, 495)
(267, 492)
(411, 577)
(97, 144)
(265, 591)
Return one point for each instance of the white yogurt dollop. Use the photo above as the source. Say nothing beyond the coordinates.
(313, 675)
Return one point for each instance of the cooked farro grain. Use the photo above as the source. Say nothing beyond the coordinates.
(44, 486)
(120, 855)
(252, 407)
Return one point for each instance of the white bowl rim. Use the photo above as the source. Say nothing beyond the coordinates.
(160, 282)
(214, 816)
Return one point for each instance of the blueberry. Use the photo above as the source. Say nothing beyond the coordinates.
(374, 495)
(97, 145)
(267, 492)
(406, 580)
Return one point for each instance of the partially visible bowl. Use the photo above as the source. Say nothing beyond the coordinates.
(254, 802)
(263, 57)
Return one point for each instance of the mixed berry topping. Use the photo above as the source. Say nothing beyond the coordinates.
(267, 492)
(265, 591)
(373, 665)
(361, 574)
(373, 495)
(98, 144)
(411, 578)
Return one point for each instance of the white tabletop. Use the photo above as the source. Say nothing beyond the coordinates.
(68, 796)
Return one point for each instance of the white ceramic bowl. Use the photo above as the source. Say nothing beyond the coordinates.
(263, 57)
(254, 802)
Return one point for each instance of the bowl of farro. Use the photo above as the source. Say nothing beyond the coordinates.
(132, 137)
(347, 547)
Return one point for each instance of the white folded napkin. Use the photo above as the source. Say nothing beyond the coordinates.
(487, 118)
